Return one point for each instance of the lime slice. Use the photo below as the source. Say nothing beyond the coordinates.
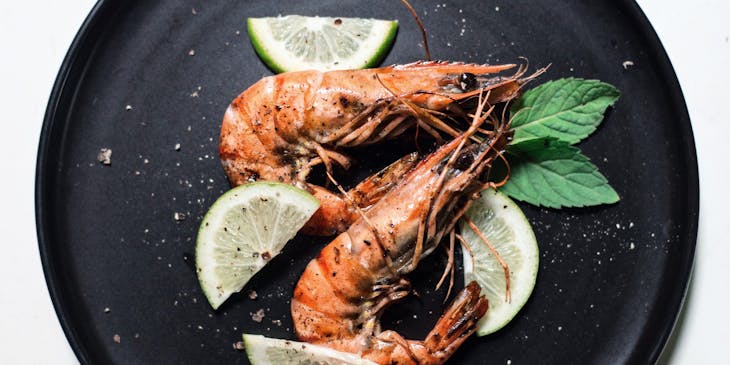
(264, 351)
(509, 232)
(244, 229)
(295, 42)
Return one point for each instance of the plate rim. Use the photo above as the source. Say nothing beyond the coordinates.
(62, 98)
(674, 90)
(71, 71)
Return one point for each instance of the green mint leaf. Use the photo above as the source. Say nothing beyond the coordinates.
(568, 109)
(552, 173)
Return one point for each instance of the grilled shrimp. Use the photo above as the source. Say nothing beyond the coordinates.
(342, 293)
(283, 125)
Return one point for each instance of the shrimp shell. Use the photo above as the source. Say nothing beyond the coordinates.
(283, 125)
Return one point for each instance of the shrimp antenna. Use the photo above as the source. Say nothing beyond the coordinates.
(427, 222)
(505, 267)
(420, 25)
(504, 181)
(449, 269)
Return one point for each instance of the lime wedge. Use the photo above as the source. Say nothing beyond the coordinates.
(244, 229)
(509, 232)
(295, 42)
(264, 351)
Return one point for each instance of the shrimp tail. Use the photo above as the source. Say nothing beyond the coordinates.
(451, 330)
(458, 322)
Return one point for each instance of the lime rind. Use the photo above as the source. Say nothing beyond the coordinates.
(243, 230)
(264, 350)
(354, 43)
(508, 230)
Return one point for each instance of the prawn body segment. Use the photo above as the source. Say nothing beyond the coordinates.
(283, 125)
(342, 293)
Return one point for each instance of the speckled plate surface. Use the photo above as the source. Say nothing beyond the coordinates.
(150, 80)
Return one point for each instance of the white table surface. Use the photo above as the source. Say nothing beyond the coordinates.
(35, 37)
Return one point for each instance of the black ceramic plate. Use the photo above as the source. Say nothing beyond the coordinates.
(143, 77)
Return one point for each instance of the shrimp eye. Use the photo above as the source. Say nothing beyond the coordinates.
(467, 81)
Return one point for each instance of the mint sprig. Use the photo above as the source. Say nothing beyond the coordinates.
(568, 109)
(546, 169)
(552, 173)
